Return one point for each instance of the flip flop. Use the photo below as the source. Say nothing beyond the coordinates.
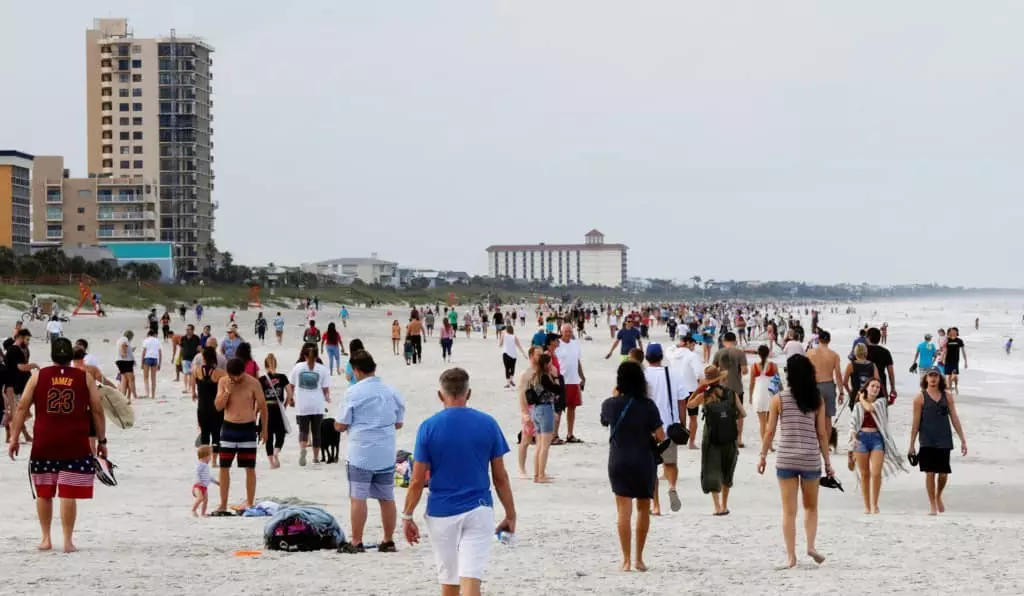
(351, 549)
(674, 502)
(573, 440)
(387, 547)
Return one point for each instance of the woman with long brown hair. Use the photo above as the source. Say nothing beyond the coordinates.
(277, 390)
(871, 442)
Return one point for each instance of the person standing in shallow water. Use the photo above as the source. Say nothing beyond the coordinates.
(800, 413)
(934, 412)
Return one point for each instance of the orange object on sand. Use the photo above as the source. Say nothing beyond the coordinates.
(248, 553)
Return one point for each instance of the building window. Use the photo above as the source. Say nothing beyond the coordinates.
(560, 267)
(515, 269)
(105, 63)
(81, 210)
(108, 120)
(105, 78)
(136, 49)
(531, 265)
(137, 121)
(506, 265)
(123, 107)
(137, 92)
(122, 92)
(136, 63)
(106, 92)
(108, 148)
(125, 164)
(137, 135)
(107, 106)
(122, 65)
(122, 78)
(551, 268)
(123, 121)
(107, 135)
(138, 164)
(136, 78)
(136, 107)
(125, 150)
(542, 265)
(579, 278)
(137, 150)
(80, 228)
(108, 163)
(85, 193)
(124, 135)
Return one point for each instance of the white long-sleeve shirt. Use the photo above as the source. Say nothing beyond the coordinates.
(203, 476)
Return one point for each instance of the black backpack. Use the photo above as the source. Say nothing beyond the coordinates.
(720, 419)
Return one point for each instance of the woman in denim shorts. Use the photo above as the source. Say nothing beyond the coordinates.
(871, 444)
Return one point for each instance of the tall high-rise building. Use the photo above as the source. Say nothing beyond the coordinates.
(150, 118)
(15, 192)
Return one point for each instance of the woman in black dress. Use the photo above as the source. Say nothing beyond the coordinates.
(632, 467)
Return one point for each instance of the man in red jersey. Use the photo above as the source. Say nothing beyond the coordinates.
(65, 398)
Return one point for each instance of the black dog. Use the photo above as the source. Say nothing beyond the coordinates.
(330, 440)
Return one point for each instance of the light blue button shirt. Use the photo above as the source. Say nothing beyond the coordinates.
(371, 409)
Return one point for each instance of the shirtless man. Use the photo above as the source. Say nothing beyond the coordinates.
(240, 397)
(829, 376)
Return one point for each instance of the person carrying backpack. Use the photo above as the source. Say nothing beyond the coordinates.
(719, 449)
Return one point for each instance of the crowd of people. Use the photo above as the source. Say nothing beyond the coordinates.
(723, 359)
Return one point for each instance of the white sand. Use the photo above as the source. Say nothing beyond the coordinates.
(140, 537)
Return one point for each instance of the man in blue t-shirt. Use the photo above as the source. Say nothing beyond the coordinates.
(458, 446)
(540, 339)
(628, 338)
(925, 356)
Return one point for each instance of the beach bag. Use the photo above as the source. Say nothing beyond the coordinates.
(775, 383)
(676, 432)
(302, 529)
(720, 420)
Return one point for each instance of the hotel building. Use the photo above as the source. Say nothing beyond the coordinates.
(592, 263)
(15, 201)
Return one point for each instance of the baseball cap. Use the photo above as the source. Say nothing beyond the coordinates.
(61, 350)
(654, 352)
(927, 336)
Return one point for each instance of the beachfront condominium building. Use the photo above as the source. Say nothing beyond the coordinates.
(150, 121)
(15, 201)
(592, 263)
(370, 271)
(77, 212)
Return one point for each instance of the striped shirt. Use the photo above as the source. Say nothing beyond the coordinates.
(798, 448)
(203, 477)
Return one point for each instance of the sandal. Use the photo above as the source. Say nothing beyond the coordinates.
(572, 440)
(849, 461)
(387, 547)
(351, 549)
(557, 441)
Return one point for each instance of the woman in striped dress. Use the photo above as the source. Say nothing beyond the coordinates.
(803, 442)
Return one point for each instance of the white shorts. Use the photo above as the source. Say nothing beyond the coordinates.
(462, 544)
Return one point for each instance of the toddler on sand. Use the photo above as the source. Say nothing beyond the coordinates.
(203, 479)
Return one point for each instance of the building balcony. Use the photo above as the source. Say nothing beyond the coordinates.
(126, 234)
(127, 215)
(106, 70)
(132, 198)
(54, 199)
(55, 217)
(54, 235)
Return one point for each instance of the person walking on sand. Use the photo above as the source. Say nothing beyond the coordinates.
(66, 403)
(690, 369)
(414, 334)
(152, 361)
(371, 413)
(733, 361)
(871, 440)
(396, 337)
(934, 413)
(331, 340)
(457, 447)
(126, 365)
(859, 371)
(827, 375)
(627, 339)
(798, 413)
(510, 347)
(19, 369)
(954, 349)
(632, 464)
(882, 359)
(540, 388)
(312, 383)
(761, 388)
(279, 394)
(188, 350)
(665, 388)
(447, 339)
(241, 399)
(279, 328)
(260, 328)
(529, 431)
(719, 449)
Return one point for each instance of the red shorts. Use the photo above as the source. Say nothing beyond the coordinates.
(65, 478)
(202, 489)
(573, 396)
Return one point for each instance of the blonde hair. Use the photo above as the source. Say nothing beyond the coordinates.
(860, 352)
(204, 452)
(270, 362)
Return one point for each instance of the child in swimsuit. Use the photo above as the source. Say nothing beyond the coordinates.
(203, 479)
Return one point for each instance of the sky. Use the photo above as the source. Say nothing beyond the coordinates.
(870, 141)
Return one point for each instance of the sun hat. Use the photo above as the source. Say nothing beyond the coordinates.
(713, 375)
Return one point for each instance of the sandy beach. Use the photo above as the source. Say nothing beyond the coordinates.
(140, 538)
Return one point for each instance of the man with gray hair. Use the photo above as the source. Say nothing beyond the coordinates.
(569, 364)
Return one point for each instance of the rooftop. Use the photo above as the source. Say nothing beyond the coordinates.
(357, 261)
(9, 157)
(551, 247)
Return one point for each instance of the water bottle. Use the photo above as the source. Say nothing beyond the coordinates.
(506, 538)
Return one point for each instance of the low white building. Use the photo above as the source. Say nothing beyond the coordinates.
(591, 263)
(368, 270)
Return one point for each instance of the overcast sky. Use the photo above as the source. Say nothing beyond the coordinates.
(868, 141)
